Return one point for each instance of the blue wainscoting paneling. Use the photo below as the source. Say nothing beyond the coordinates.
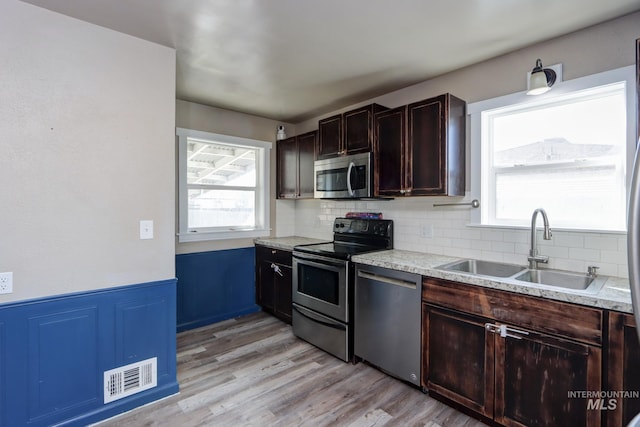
(54, 351)
(60, 380)
(3, 354)
(214, 286)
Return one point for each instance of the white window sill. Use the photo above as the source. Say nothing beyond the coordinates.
(200, 236)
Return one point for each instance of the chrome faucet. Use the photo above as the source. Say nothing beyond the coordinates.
(533, 257)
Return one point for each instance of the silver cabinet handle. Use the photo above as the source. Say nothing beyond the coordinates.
(277, 269)
(490, 327)
(505, 331)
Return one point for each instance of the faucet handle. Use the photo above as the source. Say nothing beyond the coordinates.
(592, 271)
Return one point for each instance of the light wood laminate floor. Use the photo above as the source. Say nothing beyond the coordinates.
(252, 371)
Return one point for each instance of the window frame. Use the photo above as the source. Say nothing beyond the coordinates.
(262, 189)
(479, 151)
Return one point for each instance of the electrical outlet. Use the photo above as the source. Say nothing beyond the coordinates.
(427, 231)
(6, 283)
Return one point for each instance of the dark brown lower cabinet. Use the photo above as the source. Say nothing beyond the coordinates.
(458, 358)
(535, 376)
(515, 374)
(273, 281)
(623, 369)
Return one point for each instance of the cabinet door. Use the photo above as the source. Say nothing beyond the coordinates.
(330, 137)
(274, 281)
(534, 376)
(623, 368)
(427, 145)
(458, 358)
(283, 285)
(358, 134)
(389, 150)
(306, 157)
(287, 168)
(265, 285)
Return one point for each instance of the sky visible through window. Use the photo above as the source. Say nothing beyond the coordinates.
(567, 156)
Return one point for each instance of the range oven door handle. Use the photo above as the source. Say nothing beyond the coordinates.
(317, 319)
(318, 260)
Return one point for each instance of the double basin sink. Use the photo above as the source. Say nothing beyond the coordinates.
(509, 273)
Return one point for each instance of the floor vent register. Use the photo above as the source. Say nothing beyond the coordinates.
(130, 379)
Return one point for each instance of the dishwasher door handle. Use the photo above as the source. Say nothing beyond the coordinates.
(385, 279)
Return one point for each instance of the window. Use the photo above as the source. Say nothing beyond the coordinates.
(567, 152)
(223, 186)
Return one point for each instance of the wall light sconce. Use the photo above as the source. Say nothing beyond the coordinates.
(541, 79)
(280, 133)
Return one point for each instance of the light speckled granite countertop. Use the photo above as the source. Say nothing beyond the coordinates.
(286, 243)
(614, 295)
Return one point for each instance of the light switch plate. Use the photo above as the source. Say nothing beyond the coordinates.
(146, 229)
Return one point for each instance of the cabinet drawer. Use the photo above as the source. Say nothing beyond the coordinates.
(554, 317)
(279, 256)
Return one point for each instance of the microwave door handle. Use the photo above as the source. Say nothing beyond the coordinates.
(351, 165)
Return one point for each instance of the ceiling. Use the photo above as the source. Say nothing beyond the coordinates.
(290, 60)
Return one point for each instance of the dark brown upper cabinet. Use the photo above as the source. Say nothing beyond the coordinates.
(294, 166)
(347, 133)
(419, 149)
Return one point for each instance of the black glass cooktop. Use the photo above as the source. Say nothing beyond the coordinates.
(336, 250)
(353, 236)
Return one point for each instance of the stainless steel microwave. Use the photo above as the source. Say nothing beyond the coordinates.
(346, 177)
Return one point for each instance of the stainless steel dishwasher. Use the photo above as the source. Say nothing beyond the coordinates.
(388, 320)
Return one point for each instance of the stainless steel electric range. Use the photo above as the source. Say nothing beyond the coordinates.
(323, 283)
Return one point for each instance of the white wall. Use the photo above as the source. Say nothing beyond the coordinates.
(603, 47)
(87, 120)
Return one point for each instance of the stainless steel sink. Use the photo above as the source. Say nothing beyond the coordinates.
(562, 279)
(510, 273)
(484, 268)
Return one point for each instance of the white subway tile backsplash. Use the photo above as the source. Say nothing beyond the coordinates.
(572, 251)
(522, 248)
(613, 257)
(493, 235)
(483, 245)
(553, 251)
(515, 259)
(460, 244)
(516, 236)
(590, 255)
(600, 242)
(568, 264)
(504, 247)
(573, 240)
(452, 233)
(471, 234)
